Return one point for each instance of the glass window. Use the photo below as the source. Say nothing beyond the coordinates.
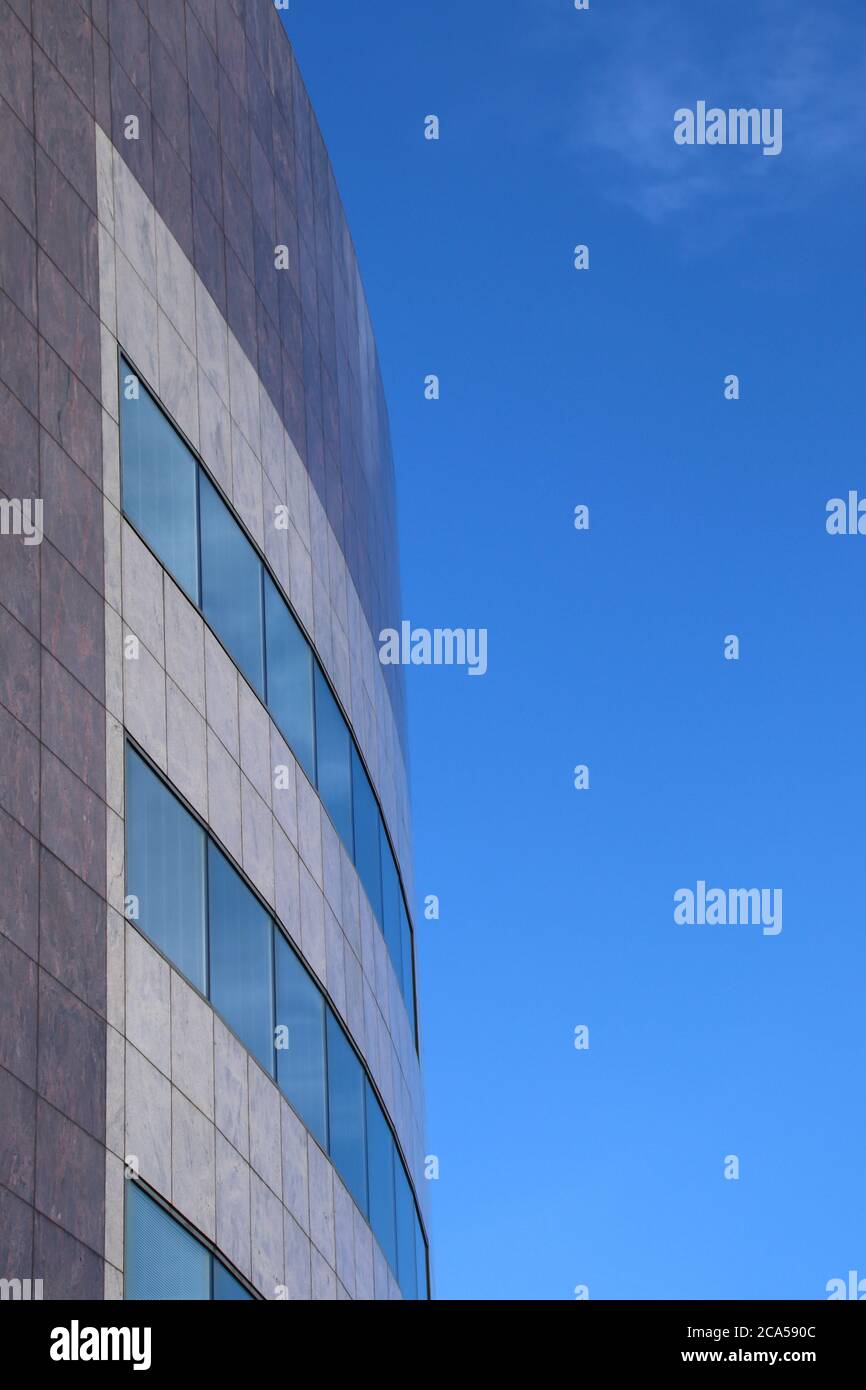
(165, 870)
(348, 1146)
(159, 482)
(421, 1258)
(241, 948)
(334, 760)
(366, 818)
(290, 678)
(407, 1269)
(226, 1286)
(163, 1260)
(231, 586)
(408, 972)
(380, 1166)
(392, 903)
(301, 1048)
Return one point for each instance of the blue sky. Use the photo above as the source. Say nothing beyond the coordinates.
(605, 1167)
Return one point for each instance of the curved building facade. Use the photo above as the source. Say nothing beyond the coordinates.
(209, 1068)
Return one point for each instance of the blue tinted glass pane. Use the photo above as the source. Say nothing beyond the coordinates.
(366, 818)
(159, 482)
(226, 1286)
(231, 586)
(163, 1261)
(392, 903)
(290, 678)
(240, 958)
(421, 1258)
(165, 870)
(334, 760)
(380, 1166)
(408, 974)
(301, 1047)
(348, 1147)
(407, 1268)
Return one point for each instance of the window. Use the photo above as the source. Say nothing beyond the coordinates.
(392, 904)
(159, 482)
(421, 1258)
(231, 586)
(366, 819)
(165, 871)
(290, 678)
(196, 906)
(226, 1286)
(334, 759)
(348, 1144)
(380, 1150)
(407, 1265)
(408, 967)
(301, 1061)
(168, 496)
(241, 936)
(165, 1261)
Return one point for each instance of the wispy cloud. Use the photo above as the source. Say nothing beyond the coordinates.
(636, 69)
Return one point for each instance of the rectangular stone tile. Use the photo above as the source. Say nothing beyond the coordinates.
(178, 379)
(255, 742)
(283, 782)
(265, 1128)
(72, 943)
(19, 874)
(148, 1000)
(312, 914)
(19, 669)
(192, 1045)
(187, 748)
(344, 1228)
(70, 1176)
(310, 828)
(64, 128)
(298, 1256)
(73, 724)
(18, 263)
(17, 1136)
(175, 284)
(233, 1205)
(193, 1181)
(72, 620)
(71, 1056)
(224, 796)
(231, 1088)
(72, 511)
(148, 1121)
(144, 702)
(63, 32)
(17, 167)
(70, 413)
(18, 354)
(67, 229)
(258, 840)
(69, 323)
(324, 1279)
(70, 1272)
(221, 680)
(73, 822)
(321, 1187)
(267, 1238)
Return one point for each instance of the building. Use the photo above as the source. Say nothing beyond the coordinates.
(209, 1073)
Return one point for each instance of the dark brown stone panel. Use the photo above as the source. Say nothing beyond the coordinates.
(19, 670)
(241, 305)
(69, 324)
(16, 1249)
(127, 35)
(17, 263)
(167, 18)
(67, 1268)
(19, 449)
(101, 81)
(67, 230)
(205, 11)
(234, 128)
(17, 1136)
(210, 258)
(73, 822)
(71, 1073)
(23, 11)
(18, 354)
(16, 64)
(99, 15)
(231, 49)
(73, 724)
(18, 1034)
(64, 129)
(70, 1176)
(72, 511)
(17, 167)
(20, 581)
(19, 768)
(238, 218)
(72, 932)
(19, 874)
(202, 70)
(73, 620)
(63, 32)
(69, 413)
(170, 100)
